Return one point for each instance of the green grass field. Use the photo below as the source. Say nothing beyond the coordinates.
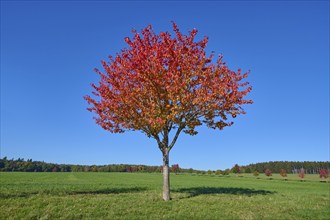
(138, 196)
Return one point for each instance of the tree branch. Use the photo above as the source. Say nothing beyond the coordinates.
(175, 137)
(160, 144)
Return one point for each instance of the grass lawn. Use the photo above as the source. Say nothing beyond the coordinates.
(138, 196)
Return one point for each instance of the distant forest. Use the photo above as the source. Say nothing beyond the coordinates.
(310, 167)
(21, 165)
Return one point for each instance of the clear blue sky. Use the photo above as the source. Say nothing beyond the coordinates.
(49, 51)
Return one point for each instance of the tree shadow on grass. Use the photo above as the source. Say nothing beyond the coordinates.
(196, 191)
(17, 195)
(110, 191)
(60, 192)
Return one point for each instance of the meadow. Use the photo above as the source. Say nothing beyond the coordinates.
(79, 195)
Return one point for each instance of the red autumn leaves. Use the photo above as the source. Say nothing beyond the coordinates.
(162, 82)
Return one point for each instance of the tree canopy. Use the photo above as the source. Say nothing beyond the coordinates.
(159, 83)
(162, 84)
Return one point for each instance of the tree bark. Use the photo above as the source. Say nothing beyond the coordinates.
(166, 177)
(165, 149)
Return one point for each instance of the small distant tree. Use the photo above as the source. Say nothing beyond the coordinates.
(302, 173)
(268, 173)
(324, 173)
(86, 169)
(141, 168)
(256, 173)
(226, 172)
(248, 170)
(218, 172)
(284, 174)
(175, 168)
(94, 169)
(236, 169)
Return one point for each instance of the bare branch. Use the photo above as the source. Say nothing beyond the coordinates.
(175, 137)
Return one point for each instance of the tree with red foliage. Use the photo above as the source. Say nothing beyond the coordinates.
(162, 84)
(236, 169)
(324, 173)
(175, 168)
(268, 172)
(301, 173)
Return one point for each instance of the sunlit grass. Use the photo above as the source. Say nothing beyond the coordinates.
(138, 196)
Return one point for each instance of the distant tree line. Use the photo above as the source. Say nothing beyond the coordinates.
(310, 167)
(21, 165)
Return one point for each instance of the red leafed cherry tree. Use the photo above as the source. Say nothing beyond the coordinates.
(163, 85)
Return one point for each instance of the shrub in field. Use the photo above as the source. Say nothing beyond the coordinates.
(301, 173)
(324, 173)
(226, 172)
(218, 172)
(256, 173)
(284, 174)
(268, 173)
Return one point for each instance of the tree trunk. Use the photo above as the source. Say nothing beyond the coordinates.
(166, 177)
